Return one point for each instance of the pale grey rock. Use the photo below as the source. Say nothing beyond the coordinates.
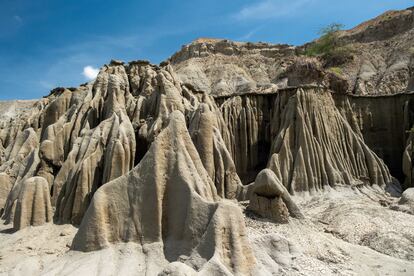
(270, 199)
(204, 130)
(186, 215)
(33, 205)
(406, 202)
(309, 131)
(177, 269)
(222, 67)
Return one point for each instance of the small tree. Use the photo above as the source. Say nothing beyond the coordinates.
(327, 42)
(329, 47)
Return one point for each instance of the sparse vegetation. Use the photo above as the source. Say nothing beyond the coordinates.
(336, 70)
(327, 42)
(329, 47)
(411, 130)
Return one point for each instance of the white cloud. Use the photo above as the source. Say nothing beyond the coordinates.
(90, 72)
(267, 9)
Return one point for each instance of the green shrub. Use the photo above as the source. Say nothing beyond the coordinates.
(329, 47)
(336, 70)
(327, 42)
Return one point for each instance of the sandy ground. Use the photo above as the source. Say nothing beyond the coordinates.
(346, 232)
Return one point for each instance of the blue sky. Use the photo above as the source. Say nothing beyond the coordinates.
(49, 43)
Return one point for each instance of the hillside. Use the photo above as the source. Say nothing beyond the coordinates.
(381, 61)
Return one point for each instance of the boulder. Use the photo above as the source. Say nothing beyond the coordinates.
(270, 199)
(406, 202)
(177, 269)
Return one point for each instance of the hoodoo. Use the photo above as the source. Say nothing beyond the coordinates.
(33, 205)
(270, 199)
(174, 204)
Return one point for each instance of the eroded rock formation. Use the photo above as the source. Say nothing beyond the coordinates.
(159, 155)
(205, 133)
(270, 199)
(33, 205)
(172, 201)
(247, 119)
(314, 146)
(383, 121)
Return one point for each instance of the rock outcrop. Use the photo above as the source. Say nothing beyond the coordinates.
(315, 147)
(406, 202)
(100, 155)
(22, 163)
(256, 122)
(247, 119)
(205, 133)
(33, 205)
(407, 162)
(380, 62)
(222, 68)
(18, 153)
(5, 189)
(384, 123)
(270, 199)
(170, 199)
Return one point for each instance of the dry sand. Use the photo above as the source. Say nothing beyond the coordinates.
(346, 232)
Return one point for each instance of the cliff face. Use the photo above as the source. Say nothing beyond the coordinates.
(96, 131)
(153, 154)
(223, 68)
(380, 61)
(384, 123)
(260, 119)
